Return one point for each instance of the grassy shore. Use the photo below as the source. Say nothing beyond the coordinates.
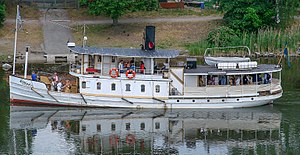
(168, 35)
(82, 13)
(31, 34)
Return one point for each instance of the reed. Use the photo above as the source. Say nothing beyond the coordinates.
(264, 41)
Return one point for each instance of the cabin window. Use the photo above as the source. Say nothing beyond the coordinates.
(83, 84)
(142, 88)
(157, 125)
(99, 58)
(157, 88)
(98, 127)
(113, 59)
(113, 86)
(83, 128)
(113, 127)
(98, 85)
(127, 126)
(143, 126)
(127, 87)
(91, 61)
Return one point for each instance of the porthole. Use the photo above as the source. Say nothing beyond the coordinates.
(193, 100)
(177, 100)
(223, 100)
(237, 99)
(208, 100)
(252, 98)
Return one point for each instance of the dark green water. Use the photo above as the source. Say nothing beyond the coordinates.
(272, 129)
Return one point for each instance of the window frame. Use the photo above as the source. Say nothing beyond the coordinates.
(113, 87)
(127, 87)
(157, 88)
(98, 83)
(143, 88)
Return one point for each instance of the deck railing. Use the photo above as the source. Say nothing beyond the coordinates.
(233, 91)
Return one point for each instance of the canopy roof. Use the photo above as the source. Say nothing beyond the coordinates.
(125, 52)
(208, 70)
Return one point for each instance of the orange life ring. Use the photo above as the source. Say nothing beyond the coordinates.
(113, 140)
(116, 72)
(130, 139)
(132, 75)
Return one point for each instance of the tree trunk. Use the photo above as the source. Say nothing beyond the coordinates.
(115, 21)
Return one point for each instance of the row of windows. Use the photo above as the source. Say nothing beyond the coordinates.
(128, 87)
(127, 126)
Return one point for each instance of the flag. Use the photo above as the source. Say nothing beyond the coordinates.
(286, 54)
(19, 19)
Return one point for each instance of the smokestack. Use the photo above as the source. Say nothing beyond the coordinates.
(150, 38)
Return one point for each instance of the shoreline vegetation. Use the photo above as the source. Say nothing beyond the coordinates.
(187, 37)
(266, 41)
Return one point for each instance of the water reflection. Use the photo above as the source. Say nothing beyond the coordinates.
(126, 131)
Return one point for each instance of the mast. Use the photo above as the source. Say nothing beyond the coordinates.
(18, 19)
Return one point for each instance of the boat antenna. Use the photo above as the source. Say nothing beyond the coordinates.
(84, 37)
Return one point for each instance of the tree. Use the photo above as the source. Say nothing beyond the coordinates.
(112, 8)
(249, 15)
(116, 8)
(2, 14)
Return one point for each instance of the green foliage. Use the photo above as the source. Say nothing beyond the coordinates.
(112, 8)
(249, 15)
(264, 41)
(252, 15)
(288, 9)
(222, 36)
(116, 8)
(2, 14)
(144, 5)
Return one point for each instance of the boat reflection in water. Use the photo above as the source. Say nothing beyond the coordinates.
(122, 131)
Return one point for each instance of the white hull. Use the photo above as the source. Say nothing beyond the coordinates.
(29, 92)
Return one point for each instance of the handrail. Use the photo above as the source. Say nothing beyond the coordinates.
(37, 92)
(52, 96)
(229, 47)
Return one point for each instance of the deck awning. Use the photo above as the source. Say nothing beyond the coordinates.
(125, 52)
(208, 70)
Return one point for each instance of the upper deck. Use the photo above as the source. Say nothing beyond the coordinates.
(208, 70)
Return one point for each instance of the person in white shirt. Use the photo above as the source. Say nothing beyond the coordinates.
(59, 86)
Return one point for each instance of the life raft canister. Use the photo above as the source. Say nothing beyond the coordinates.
(130, 139)
(114, 72)
(131, 75)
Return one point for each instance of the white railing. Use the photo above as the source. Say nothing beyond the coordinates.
(232, 91)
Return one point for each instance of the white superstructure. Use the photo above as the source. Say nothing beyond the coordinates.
(135, 78)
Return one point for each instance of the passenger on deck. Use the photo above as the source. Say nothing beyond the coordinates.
(142, 67)
(67, 86)
(33, 76)
(231, 81)
(59, 86)
(55, 77)
(223, 80)
(121, 66)
(245, 80)
(237, 80)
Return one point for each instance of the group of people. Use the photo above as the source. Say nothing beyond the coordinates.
(59, 85)
(236, 80)
(122, 66)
